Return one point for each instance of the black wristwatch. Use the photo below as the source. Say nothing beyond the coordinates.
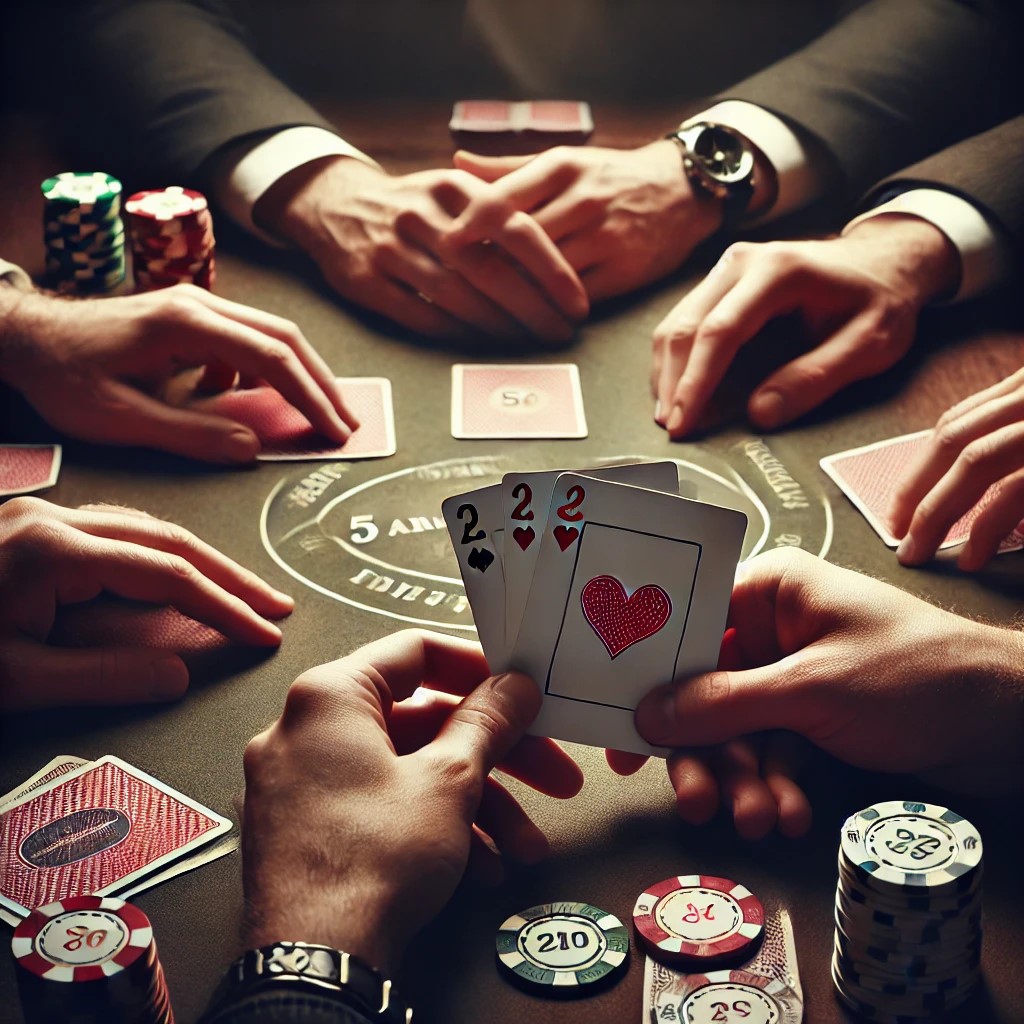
(719, 162)
(302, 966)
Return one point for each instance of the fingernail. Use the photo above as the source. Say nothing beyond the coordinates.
(966, 559)
(675, 419)
(580, 306)
(657, 412)
(280, 595)
(240, 446)
(907, 550)
(170, 678)
(767, 408)
(656, 715)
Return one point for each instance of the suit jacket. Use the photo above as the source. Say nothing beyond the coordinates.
(164, 84)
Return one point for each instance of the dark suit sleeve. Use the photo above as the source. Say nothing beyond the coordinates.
(985, 169)
(157, 86)
(279, 1007)
(893, 81)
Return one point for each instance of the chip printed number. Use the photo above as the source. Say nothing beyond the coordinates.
(570, 511)
(550, 941)
(474, 519)
(721, 1015)
(694, 914)
(920, 847)
(80, 935)
(518, 396)
(522, 511)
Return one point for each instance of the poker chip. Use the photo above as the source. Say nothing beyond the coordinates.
(171, 236)
(700, 999)
(90, 958)
(562, 948)
(908, 923)
(697, 920)
(83, 232)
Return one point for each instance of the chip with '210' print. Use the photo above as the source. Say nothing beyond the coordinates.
(517, 401)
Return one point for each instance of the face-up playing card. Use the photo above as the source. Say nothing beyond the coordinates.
(96, 830)
(60, 765)
(287, 435)
(631, 589)
(26, 468)
(525, 499)
(517, 401)
(869, 476)
(477, 531)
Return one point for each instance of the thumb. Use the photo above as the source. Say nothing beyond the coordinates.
(488, 168)
(722, 705)
(35, 676)
(489, 723)
(151, 423)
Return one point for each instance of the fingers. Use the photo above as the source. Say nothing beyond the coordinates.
(544, 766)
(488, 723)
(738, 767)
(998, 519)
(782, 757)
(33, 675)
(394, 300)
(966, 422)
(150, 532)
(695, 785)
(488, 168)
(143, 574)
(623, 763)
(981, 463)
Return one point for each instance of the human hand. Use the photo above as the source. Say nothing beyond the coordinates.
(621, 217)
(94, 369)
(383, 242)
(362, 806)
(859, 296)
(753, 776)
(866, 672)
(975, 444)
(52, 556)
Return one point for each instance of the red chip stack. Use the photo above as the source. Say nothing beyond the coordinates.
(171, 236)
(87, 959)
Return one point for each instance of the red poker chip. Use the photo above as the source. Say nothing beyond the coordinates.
(82, 938)
(165, 204)
(695, 920)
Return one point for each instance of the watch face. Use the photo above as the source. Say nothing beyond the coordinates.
(722, 155)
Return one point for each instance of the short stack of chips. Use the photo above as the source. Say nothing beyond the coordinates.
(908, 912)
(87, 959)
(83, 232)
(171, 233)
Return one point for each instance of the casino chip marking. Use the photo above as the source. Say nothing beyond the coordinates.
(562, 946)
(697, 919)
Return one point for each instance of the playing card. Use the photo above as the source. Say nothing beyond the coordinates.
(517, 401)
(60, 765)
(868, 476)
(525, 499)
(207, 855)
(25, 468)
(96, 830)
(477, 531)
(287, 435)
(631, 589)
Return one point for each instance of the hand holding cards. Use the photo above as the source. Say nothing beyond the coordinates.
(628, 588)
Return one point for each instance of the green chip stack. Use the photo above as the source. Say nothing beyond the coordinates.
(83, 232)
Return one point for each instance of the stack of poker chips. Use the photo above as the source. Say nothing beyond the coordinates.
(87, 959)
(908, 912)
(171, 233)
(83, 232)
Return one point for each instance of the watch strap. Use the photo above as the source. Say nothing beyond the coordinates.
(303, 965)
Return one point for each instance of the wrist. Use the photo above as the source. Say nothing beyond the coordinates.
(917, 255)
(23, 317)
(704, 211)
(292, 208)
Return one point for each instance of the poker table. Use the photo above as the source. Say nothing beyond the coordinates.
(300, 526)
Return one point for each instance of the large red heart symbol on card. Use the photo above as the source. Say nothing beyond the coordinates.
(524, 536)
(619, 621)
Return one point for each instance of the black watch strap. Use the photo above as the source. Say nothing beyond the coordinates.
(308, 967)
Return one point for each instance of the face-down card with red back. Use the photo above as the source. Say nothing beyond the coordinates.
(95, 830)
(27, 468)
(631, 589)
(869, 476)
(287, 435)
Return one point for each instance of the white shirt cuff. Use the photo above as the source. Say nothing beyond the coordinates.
(13, 275)
(984, 254)
(249, 169)
(798, 182)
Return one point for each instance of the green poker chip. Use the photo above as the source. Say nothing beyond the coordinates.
(73, 189)
(562, 948)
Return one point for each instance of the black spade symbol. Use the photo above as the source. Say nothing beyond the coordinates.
(480, 558)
